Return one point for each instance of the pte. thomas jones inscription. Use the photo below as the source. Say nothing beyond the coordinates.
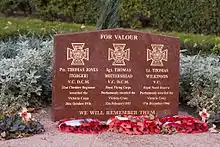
(115, 72)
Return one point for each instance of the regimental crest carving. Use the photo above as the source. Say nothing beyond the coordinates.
(119, 54)
(157, 55)
(78, 54)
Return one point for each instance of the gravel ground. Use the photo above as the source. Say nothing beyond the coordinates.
(53, 138)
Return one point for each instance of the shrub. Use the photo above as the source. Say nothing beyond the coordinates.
(78, 11)
(134, 14)
(200, 82)
(195, 16)
(25, 74)
(10, 6)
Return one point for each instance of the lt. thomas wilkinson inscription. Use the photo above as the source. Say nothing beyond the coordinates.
(115, 72)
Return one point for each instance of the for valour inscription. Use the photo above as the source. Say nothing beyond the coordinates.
(115, 72)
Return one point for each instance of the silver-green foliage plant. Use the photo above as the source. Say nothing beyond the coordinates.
(25, 75)
(200, 82)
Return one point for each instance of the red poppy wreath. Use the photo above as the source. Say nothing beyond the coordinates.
(135, 125)
(83, 126)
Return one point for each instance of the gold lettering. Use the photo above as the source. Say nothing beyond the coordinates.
(108, 87)
(152, 98)
(122, 69)
(96, 112)
(121, 87)
(75, 92)
(74, 87)
(143, 112)
(68, 104)
(117, 98)
(147, 93)
(78, 75)
(64, 87)
(118, 37)
(78, 98)
(77, 103)
(88, 87)
(92, 69)
(117, 103)
(126, 37)
(155, 93)
(82, 81)
(122, 82)
(159, 103)
(153, 87)
(72, 81)
(75, 69)
(106, 36)
(83, 112)
(151, 76)
(117, 92)
(121, 112)
(109, 93)
(155, 70)
(164, 87)
(146, 87)
(165, 93)
(125, 76)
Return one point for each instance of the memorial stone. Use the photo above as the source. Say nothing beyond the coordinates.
(104, 73)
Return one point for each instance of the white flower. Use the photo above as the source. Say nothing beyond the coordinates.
(82, 26)
(9, 22)
(204, 114)
(213, 129)
(110, 120)
(25, 115)
(121, 118)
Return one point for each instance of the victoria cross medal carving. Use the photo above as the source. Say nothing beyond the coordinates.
(157, 55)
(119, 55)
(77, 54)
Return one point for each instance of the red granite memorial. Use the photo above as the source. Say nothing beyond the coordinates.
(104, 73)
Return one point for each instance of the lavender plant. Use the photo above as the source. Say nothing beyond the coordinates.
(200, 82)
(25, 75)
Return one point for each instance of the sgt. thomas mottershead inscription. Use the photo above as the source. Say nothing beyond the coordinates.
(115, 72)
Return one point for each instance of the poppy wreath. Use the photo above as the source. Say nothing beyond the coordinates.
(82, 126)
(184, 124)
(135, 125)
(138, 125)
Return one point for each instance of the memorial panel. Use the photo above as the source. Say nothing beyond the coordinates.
(105, 73)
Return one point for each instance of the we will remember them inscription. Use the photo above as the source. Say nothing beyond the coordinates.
(105, 73)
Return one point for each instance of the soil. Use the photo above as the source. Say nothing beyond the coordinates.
(53, 138)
